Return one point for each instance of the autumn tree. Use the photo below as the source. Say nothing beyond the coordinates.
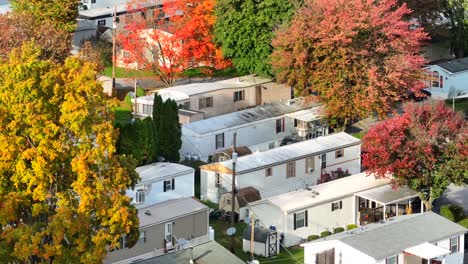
(425, 149)
(360, 57)
(60, 13)
(244, 30)
(62, 196)
(17, 28)
(171, 39)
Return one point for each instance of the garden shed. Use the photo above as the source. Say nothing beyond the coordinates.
(266, 241)
(243, 196)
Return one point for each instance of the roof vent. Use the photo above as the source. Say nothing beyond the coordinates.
(315, 192)
(147, 212)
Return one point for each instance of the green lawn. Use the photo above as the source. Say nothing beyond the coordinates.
(124, 73)
(284, 257)
(460, 104)
(359, 134)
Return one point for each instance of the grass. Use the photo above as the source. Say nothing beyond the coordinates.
(464, 222)
(460, 104)
(222, 238)
(125, 73)
(359, 134)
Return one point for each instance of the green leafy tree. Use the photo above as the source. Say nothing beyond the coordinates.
(62, 13)
(170, 132)
(457, 13)
(157, 115)
(244, 30)
(62, 186)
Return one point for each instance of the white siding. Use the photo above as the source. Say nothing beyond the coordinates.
(184, 187)
(451, 82)
(348, 254)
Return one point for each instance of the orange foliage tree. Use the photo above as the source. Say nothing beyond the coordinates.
(170, 39)
(360, 56)
(62, 188)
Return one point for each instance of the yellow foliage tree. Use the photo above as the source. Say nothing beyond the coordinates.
(62, 196)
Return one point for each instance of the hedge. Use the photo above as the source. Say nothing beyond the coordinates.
(325, 233)
(338, 230)
(351, 226)
(452, 212)
(464, 223)
(312, 237)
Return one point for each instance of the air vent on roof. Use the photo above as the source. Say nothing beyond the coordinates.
(315, 192)
(309, 189)
(245, 115)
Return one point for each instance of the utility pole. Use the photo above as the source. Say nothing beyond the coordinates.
(252, 236)
(233, 191)
(114, 33)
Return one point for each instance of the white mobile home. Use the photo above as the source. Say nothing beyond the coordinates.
(261, 128)
(162, 181)
(448, 79)
(409, 239)
(210, 99)
(326, 206)
(284, 169)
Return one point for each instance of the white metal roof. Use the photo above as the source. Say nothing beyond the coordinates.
(387, 195)
(307, 115)
(160, 170)
(247, 116)
(328, 191)
(292, 152)
(168, 210)
(427, 251)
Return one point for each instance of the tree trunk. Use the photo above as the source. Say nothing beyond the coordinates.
(427, 200)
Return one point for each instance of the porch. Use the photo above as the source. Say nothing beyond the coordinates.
(384, 202)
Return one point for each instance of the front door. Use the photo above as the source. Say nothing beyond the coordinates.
(168, 232)
(324, 161)
(258, 95)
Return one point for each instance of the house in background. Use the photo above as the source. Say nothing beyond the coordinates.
(285, 169)
(168, 226)
(448, 79)
(261, 128)
(208, 99)
(329, 205)
(162, 181)
(425, 238)
(243, 197)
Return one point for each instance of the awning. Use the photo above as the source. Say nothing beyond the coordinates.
(387, 195)
(306, 115)
(427, 251)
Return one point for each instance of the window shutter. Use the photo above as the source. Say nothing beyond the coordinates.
(282, 124)
(294, 221)
(332, 206)
(173, 184)
(341, 204)
(164, 186)
(306, 218)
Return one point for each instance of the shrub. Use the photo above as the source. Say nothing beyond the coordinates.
(141, 91)
(312, 237)
(338, 230)
(464, 223)
(351, 226)
(128, 99)
(452, 212)
(325, 233)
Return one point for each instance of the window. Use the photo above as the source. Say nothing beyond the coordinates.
(142, 238)
(441, 81)
(291, 169)
(337, 206)
(122, 242)
(392, 260)
(310, 166)
(140, 196)
(147, 109)
(93, 1)
(295, 122)
(169, 185)
(339, 153)
(271, 145)
(239, 96)
(186, 105)
(217, 180)
(435, 79)
(300, 220)
(454, 244)
(228, 201)
(205, 102)
(279, 125)
(268, 172)
(219, 138)
(101, 22)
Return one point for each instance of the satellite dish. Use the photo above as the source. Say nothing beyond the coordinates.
(231, 231)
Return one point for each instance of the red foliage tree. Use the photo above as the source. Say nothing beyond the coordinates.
(360, 56)
(171, 39)
(425, 148)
